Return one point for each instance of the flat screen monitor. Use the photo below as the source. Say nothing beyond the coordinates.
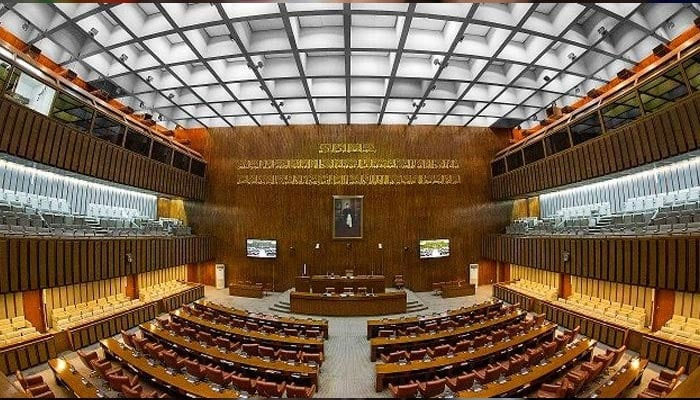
(261, 248)
(434, 248)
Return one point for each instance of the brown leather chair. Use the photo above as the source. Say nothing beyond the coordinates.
(489, 373)
(668, 376)
(516, 363)
(216, 375)
(399, 282)
(394, 356)
(87, 357)
(171, 359)
(386, 333)
(250, 348)
(128, 338)
(432, 388)
(308, 357)
(480, 340)
(461, 382)
(104, 368)
(330, 290)
(552, 391)
(291, 331)
(534, 356)
(657, 389)
(462, 345)
(34, 385)
(549, 349)
(205, 337)
(300, 392)
(242, 383)
(417, 354)
(438, 351)
(270, 389)
(196, 369)
(313, 333)
(288, 355)
(497, 335)
(117, 380)
(266, 351)
(407, 391)
(593, 368)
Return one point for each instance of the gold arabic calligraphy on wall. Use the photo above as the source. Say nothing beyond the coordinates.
(349, 164)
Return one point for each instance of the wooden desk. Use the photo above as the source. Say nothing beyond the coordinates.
(229, 358)
(72, 380)
(243, 290)
(425, 339)
(385, 371)
(280, 321)
(287, 342)
(689, 388)
(319, 283)
(629, 374)
(177, 382)
(336, 305)
(517, 383)
(10, 391)
(374, 325)
(457, 290)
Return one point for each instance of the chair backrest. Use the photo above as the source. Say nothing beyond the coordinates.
(418, 354)
(250, 348)
(406, 391)
(131, 393)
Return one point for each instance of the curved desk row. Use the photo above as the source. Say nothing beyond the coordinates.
(251, 363)
(240, 334)
(375, 325)
(462, 359)
(177, 382)
(277, 321)
(337, 305)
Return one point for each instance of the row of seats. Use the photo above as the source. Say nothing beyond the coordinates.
(75, 314)
(464, 344)
(618, 313)
(251, 349)
(251, 325)
(495, 370)
(160, 290)
(16, 329)
(37, 202)
(681, 329)
(209, 373)
(581, 375)
(663, 384)
(584, 211)
(101, 210)
(434, 326)
(116, 378)
(34, 386)
(535, 289)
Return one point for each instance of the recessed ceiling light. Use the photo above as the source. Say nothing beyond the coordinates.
(93, 31)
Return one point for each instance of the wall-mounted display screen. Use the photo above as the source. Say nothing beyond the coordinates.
(261, 248)
(434, 248)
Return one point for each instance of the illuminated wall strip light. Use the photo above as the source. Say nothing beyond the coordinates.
(547, 198)
(68, 180)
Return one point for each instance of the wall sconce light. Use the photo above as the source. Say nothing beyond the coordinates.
(317, 246)
(380, 246)
(565, 255)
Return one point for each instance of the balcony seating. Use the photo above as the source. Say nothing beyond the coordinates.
(160, 290)
(65, 317)
(34, 385)
(681, 329)
(535, 289)
(15, 330)
(270, 389)
(407, 391)
(300, 392)
(613, 312)
(663, 213)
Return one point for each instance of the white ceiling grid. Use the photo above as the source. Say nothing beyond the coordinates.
(231, 64)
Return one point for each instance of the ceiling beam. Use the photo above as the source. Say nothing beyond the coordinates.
(297, 58)
(498, 51)
(165, 66)
(241, 46)
(397, 59)
(511, 84)
(445, 60)
(209, 68)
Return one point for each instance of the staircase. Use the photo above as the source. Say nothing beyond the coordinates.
(603, 222)
(94, 224)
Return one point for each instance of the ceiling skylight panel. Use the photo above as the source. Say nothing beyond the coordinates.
(321, 38)
(74, 10)
(54, 51)
(370, 65)
(319, 21)
(238, 10)
(366, 105)
(367, 87)
(301, 7)
(411, 66)
(372, 21)
(399, 105)
(372, 38)
(327, 87)
(42, 14)
(330, 105)
(422, 39)
(324, 66)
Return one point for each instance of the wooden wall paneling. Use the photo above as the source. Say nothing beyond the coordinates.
(661, 263)
(29, 128)
(623, 149)
(33, 255)
(22, 264)
(69, 151)
(693, 264)
(8, 128)
(18, 131)
(42, 261)
(673, 123)
(5, 115)
(671, 263)
(56, 145)
(670, 136)
(689, 124)
(632, 267)
(49, 137)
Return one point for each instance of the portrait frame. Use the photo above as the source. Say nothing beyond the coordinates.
(341, 230)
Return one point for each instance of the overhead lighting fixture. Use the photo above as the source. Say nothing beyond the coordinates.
(286, 117)
(670, 24)
(141, 104)
(547, 78)
(149, 78)
(123, 57)
(571, 56)
(171, 96)
(602, 31)
(93, 31)
(25, 26)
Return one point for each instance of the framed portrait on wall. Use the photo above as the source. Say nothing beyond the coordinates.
(347, 217)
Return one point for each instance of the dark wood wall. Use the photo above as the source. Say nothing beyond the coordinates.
(30, 135)
(664, 262)
(668, 132)
(38, 263)
(396, 216)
